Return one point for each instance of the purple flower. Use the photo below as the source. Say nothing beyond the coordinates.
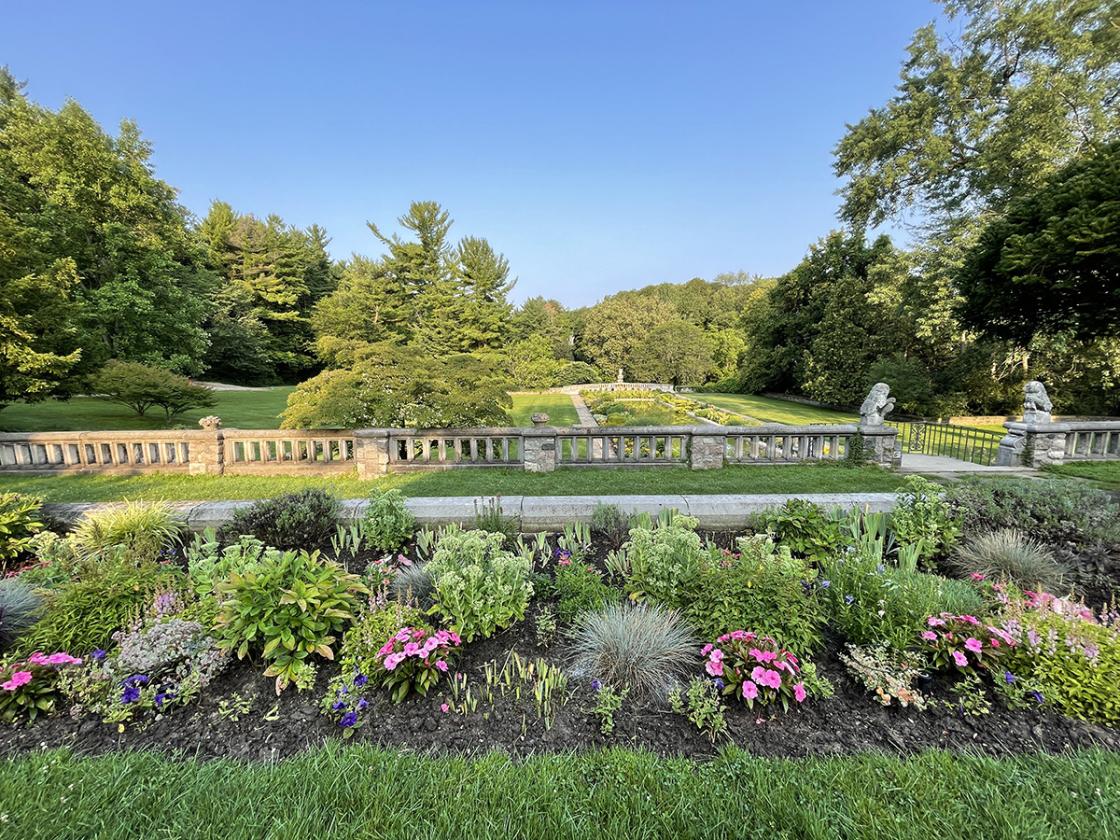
(1036, 696)
(826, 583)
(337, 706)
(849, 599)
(348, 719)
(718, 684)
(130, 694)
(98, 655)
(164, 695)
(880, 568)
(361, 679)
(1008, 677)
(135, 680)
(596, 685)
(362, 704)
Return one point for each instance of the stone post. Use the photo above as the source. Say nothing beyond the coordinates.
(707, 449)
(371, 452)
(1032, 444)
(880, 446)
(539, 448)
(208, 448)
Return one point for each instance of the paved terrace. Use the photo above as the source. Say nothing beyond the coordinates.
(537, 513)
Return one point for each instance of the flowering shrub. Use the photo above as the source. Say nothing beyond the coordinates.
(963, 641)
(754, 668)
(414, 659)
(29, 687)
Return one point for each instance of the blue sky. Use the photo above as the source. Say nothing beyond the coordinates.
(600, 146)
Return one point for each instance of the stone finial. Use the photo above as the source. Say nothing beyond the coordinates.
(211, 423)
(1036, 403)
(877, 406)
(540, 419)
(620, 379)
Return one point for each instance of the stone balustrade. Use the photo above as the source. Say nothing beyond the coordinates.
(372, 452)
(1040, 444)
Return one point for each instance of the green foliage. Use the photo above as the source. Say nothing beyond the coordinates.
(664, 560)
(20, 607)
(208, 562)
(141, 386)
(610, 524)
(19, 522)
(701, 704)
(478, 588)
(580, 588)
(644, 649)
(869, 603)
(608, 702)
(388, 524)
(675, 352)
(803, 527)
(1008, 554)
(489, 517)
(294, 520)
(82, 615)
(887, 673)
(923, 517)
(289, 607)
(761, 588)
(137, 530)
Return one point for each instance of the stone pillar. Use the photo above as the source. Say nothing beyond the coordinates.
(880, 446)
(707, 449)
(1032, 444)
(371, 452)
(539, 449)
(208, 448)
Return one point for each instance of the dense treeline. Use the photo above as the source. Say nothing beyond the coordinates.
(1001, 149)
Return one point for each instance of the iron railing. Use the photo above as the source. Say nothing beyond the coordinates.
(932, 437)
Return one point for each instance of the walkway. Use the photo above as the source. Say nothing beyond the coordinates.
(537, 513)
(939, 465)
(586, 418)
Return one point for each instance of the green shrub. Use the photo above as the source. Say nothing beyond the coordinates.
(208, 562)
(581, 588)
(610, 524)
(134, 530)
(762, 589)
(388, 523)
(1009, 554)
(292, 521)
(665, 561)
(869, 603)
(645, 649)
(141, 386)
(478, 588)
(82, 615)
(20, 608)
(289, 607)
(923, 517)
(804, 528)
(19, 522)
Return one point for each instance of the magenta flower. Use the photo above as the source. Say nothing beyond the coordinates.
(17, 679)
(974, 645)
(714, 667)
(960, 659)
(750, 690)
(929, 635)
(799, 692)
(444, 708)
(441, 665)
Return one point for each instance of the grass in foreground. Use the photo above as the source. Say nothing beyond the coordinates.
(1105, 474)
(238, 409)
(350, 792)
(558, 407)
(816, 478)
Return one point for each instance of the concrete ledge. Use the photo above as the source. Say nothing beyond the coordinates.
(537, 513)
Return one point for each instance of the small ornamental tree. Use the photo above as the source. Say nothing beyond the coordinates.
(141, 387)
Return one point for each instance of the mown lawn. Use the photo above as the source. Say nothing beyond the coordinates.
(238, 409)
(814, 478)
(770, 410)
(361, 792)
(558, 407)
(1104, 473)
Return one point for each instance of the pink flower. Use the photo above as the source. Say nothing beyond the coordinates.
(799, 692)
(706, 649)
(418, 634)
(714, 667)
(929, 635)
(386, 648)
(17, 679)
(970, 619)
(974, 645)
(403, 634)
(757, 673)
(750, 690)
(960, 659)
(763, 655)
(444, 708)
(411, 648)
(977, 576)
(716, 655)
(933, 621)
(773, 679)
(393, 660)
(441, 665)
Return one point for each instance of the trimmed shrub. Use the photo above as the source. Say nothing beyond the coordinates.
(303, 520)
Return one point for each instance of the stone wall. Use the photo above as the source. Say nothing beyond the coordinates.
(1048, 444)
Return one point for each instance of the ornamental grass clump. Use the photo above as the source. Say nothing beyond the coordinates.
(137, 531)
(644, 649)
(1010, 554)
(20, 607)
(754, 668)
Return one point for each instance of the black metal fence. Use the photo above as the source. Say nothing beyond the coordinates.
(931, 437)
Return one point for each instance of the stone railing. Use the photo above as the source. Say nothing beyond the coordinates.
(1040, 444)
(540, 448)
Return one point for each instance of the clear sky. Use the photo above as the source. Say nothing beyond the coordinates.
(599, 145)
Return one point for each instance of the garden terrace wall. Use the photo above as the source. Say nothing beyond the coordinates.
(372, 452)
(1047, 444)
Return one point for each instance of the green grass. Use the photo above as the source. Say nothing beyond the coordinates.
(771, 410)
(238, 409)
(558, 407)
(1106, 474)
(571, 481)
(363, 792)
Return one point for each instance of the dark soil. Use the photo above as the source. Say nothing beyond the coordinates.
(275, 727)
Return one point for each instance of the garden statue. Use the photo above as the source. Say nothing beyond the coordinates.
(620, 379)
(211, 423)
(1036, 403)
(877, 406)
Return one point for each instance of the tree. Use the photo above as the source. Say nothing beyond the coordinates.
(484, 281)
(397, 386)
(980, 119)
(675, 352)
(614, 330)
(140, 387)
(1051, 263)
(368, 307)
